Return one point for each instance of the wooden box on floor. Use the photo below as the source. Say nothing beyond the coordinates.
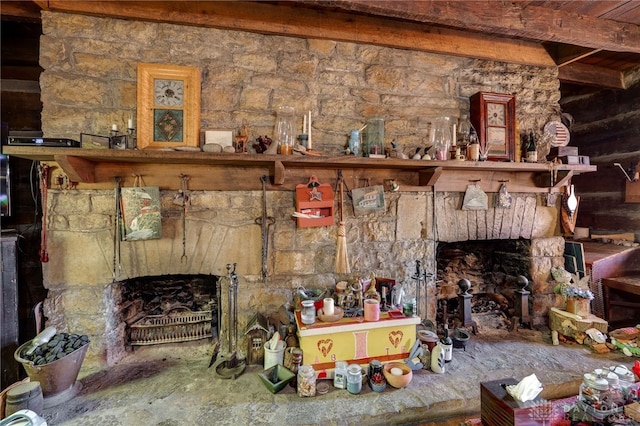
(498, 408)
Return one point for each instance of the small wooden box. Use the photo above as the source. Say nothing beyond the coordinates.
(561, 151)
(632, 192)
(498, 408)
(633, 411)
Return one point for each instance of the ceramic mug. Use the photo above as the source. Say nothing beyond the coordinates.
(371, 310)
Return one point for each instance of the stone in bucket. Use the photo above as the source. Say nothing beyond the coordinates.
(55, 363)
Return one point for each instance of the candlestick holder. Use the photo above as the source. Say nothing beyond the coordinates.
(132, 141)
(117, 140)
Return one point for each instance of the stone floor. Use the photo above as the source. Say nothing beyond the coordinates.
(172, 385)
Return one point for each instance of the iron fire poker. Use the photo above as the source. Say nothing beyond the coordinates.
(421, 279)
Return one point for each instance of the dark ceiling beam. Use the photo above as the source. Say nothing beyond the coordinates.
(20, 10)
(506, 18)
(591, 76)
(565, 54)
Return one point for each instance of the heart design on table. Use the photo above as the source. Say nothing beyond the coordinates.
(325, 346)
(395, 337)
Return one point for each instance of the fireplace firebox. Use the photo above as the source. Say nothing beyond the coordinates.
(169, 309)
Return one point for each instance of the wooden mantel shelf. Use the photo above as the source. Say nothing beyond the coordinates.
(96, 168)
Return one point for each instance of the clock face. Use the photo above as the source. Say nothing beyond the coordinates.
(495, 114)
(168, 92)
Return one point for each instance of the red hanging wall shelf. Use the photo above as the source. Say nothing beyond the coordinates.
(317, 200)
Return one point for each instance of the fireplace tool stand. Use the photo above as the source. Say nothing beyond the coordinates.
(421, 280)
(231, 365)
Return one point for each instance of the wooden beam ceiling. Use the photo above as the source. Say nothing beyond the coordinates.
(541, 33)
(507, 18)
(317, 23)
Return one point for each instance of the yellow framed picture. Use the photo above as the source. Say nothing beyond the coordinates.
(168, 106)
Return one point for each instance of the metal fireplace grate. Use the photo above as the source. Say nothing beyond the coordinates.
(175, 326)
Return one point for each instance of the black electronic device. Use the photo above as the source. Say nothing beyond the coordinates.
(38, 141)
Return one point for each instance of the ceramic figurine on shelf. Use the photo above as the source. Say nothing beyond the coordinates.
(371, 292)
(358, 295)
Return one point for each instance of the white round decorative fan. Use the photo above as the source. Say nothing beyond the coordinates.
(558, 133)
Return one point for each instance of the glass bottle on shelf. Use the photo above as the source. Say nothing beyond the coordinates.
(285, 130)
(355, 143)
(532, 150)
(464, 134)
(374, 133)
(473, 149)
(441, 137)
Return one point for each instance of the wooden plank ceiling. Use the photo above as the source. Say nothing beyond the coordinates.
(593, 42)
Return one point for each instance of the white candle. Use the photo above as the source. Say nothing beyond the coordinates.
(304, 124)
(114, 127)
(130, 123)
(454, 135)
(309, 139)
(328, 306)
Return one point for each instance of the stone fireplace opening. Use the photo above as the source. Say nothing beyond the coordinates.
(165, 309)
(491, 266)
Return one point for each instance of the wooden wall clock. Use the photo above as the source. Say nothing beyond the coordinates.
(168, 106)
(494, 117)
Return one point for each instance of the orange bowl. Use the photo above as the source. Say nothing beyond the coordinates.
(397, 380)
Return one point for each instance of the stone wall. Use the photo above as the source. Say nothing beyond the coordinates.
(89, 82)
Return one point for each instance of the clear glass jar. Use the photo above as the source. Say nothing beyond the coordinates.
(308, 312)
(374, 133)
(306, 381)
(354, 379)
(593, 390)
(340, 375)
(615, 390)
(441, 138)
(285, 129)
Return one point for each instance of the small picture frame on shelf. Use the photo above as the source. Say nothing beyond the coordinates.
(168, 106)
(90, 141)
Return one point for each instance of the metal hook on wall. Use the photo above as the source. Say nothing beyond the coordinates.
(623, 171)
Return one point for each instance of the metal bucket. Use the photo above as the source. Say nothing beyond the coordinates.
(57, 378)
